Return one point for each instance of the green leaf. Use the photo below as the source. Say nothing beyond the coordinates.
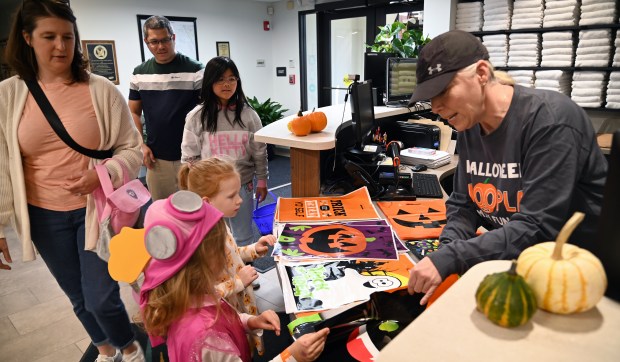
(395, 38)
(268, 111)
(292, 252)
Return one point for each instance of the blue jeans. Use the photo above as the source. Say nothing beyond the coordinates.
(241, 224)
(59, 238)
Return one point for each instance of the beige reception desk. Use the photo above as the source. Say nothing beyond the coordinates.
(453, 330)
(305, 151)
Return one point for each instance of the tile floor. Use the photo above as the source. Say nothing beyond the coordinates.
(37, 321)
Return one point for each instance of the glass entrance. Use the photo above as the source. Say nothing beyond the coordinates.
(348, 45)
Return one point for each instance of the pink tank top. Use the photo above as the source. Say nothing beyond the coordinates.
(198, 329)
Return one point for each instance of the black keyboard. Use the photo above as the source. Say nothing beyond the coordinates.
(426, 185)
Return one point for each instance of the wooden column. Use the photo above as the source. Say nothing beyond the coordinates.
(305, 172)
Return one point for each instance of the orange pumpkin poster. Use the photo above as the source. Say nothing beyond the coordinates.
(412, 220)
(355, 205)
(335, 241)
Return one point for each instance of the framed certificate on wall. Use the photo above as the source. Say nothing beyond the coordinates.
(101, 55)
(223, 49)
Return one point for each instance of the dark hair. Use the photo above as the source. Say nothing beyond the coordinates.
(157, 22)
(20, 56)
(214, 70)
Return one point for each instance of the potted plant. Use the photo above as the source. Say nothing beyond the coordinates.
(268, 111)
(396, 38)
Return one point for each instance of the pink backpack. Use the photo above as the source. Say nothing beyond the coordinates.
(116, 208)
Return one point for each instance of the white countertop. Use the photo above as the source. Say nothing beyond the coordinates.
(339, 115)
(453, 330)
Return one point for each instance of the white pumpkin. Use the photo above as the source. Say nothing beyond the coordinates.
(565, 278)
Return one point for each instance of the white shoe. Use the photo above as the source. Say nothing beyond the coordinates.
(136, 356)
(103, 358)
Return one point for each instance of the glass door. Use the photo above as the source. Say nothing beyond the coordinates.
(348, 45)
(341, 38)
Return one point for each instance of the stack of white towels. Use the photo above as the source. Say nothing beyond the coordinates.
(588, 88)
(469, 16)
(556, 80)
(616, 62)
(593, 48)
(561, 13)
(497, 46)
(527, 14)
(523, 77)
(557, 49)
(613, 91)
(497, 14)
(523, 50)
(597, 12)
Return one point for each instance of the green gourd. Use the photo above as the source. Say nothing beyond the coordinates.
(505, 298)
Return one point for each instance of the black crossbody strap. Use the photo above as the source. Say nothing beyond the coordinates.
(58, 127)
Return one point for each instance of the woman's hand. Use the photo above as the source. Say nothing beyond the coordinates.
(261, 194)
(82, 183)
(247, 274)
(4, 250)
(268, 320)
(262, 245)
(424, 278)
(309, 346)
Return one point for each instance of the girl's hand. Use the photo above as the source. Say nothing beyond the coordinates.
(247, 274)
(268, 320)
(261, 194)
(82, 183)
(309, 346)
(262, 245)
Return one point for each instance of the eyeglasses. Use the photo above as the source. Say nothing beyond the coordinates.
(156, 42)
(229, 80)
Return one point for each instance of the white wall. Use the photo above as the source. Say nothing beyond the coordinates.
(239, 22)
(284, 37)
(439, 16)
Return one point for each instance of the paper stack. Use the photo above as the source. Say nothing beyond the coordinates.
(425, 156)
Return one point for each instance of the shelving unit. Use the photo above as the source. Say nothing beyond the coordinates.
(575, 31)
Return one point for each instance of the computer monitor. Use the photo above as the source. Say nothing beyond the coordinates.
(607, 245)
(362, 118)
(401, 79)
(375, 69)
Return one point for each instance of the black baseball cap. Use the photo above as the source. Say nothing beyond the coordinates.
(440, 59)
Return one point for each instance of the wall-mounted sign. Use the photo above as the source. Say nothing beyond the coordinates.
(101, 56)
(223, 49)
(281, 71)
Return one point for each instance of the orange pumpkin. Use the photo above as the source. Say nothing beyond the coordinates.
(332, 240)
(318, 120)
(300, 126)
